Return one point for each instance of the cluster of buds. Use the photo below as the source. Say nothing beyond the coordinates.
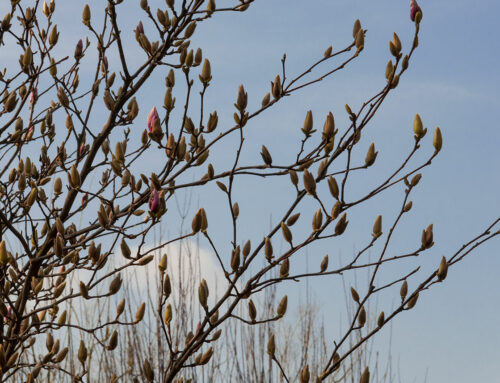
(48, 9)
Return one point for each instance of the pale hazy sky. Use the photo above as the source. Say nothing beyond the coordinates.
(452, 82)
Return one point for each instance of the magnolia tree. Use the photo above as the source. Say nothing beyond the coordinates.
(68, 240)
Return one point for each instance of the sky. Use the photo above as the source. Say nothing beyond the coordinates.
(452, 82)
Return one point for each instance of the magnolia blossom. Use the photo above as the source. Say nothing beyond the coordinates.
(152, 118)
(414, 8)
(154, 201)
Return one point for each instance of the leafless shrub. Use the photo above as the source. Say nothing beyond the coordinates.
(74, 196)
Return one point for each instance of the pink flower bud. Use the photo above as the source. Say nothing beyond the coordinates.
(152, 118)
(34, 96)
(154, 202)
(414, 8)
(140, 28)
(85, 198)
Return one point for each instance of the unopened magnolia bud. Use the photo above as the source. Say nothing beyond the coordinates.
(206, 72)
(202, 294)
(196, 222)
(271, 346)
(337, 208)
(242, 100)
(86, 15)
(404, 290)
(75, 177)
(308, 123)
(266, 156)
(293, 177)
(365, 377)
(324, 264)
(355, 295)
(285, 268)
(437, 142)
(287, 234)
(113, 341)
(190, 30)
(381, 319)
(292, 219)
(305, 375)
(206, 356)
(309, 183)
(54, 36)
(148, 370)
(405, 62)
(268, 249)
(341, 225)
(317, 220)
(356, 28)
(418, 127)
(167, 318)
(416, 179)
(377, 227)
(442, 270)
(408, 207)
(246, 248)
(371, 155)
(282, 306)
(235, 259)
(125, 249)
(63, 98)
(140, 312)
(333, 186)
(362, 317)
(10, 102)
(266, 99)
(359, 42)
(396, 42)
(329, 127)
(252, 311)
(428, 237)
(210, 7)
(82, 352)
(276, 87)
(412, 302)
(389, 70)
(328, 52)
(4, 256)
(115, 285)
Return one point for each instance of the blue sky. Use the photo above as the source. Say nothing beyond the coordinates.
(452, 334)
(452, 82)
